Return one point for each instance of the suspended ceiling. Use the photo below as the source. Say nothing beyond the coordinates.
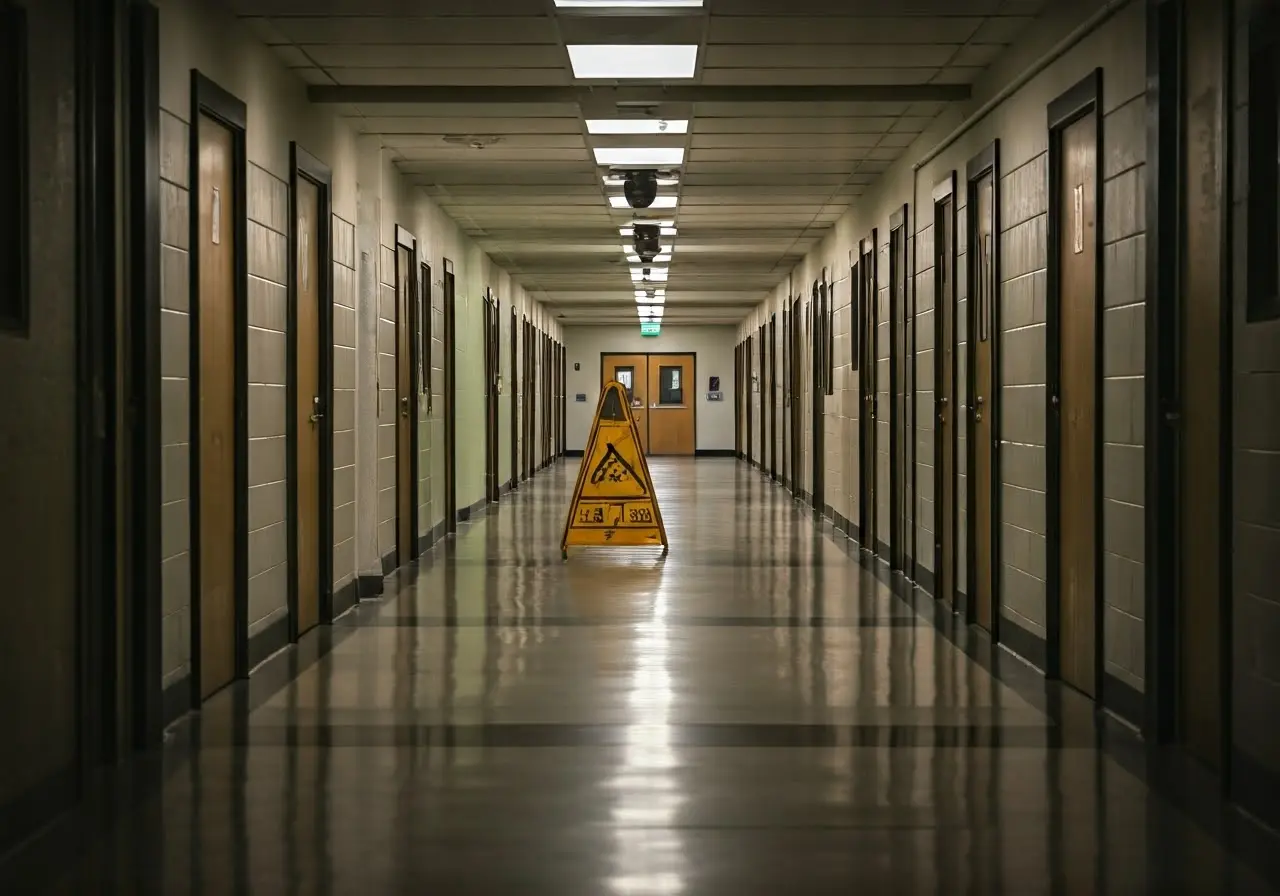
(794, 107)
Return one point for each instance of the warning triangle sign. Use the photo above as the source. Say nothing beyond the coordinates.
(613, 501)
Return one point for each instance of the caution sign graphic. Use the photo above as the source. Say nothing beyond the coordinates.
(613, 501)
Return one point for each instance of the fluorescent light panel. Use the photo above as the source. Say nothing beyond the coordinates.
(656, 275)
(637, 126)
(658, 202)
(666, 250)
(629, 4)
(650, 156)
(657, 259)
(616, 180)
(618, 61)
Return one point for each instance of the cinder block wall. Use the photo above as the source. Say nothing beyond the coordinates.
(369, 198)
(1020, 123)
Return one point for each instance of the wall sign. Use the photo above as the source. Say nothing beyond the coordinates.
(215, 216)
(714, 384)
(1077, 195)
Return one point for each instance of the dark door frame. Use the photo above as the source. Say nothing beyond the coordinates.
(405, 239)
(817, 355)
(564, 398)
(209, 99)
(514, 482)
(750, 382)
(898, 492)
(784, 465)
(142, 319)
(797, 398)
(987, 161)
(944, 204)
(868, 383)
(1081, 100)
(303, 165)
(450, 300)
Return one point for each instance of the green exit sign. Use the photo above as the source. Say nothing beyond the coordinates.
(650, 328)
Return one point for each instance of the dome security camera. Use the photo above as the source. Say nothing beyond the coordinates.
(640, 188)
(645, 241)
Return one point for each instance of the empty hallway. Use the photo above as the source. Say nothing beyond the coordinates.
(758, 712)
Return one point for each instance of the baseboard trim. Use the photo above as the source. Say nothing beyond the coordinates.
(505, 487)
(1121, 698)
(23, 818)
(368, 586)
(1016, 639)
(389, 563)
(574, 452)
(345, 598)
(1256, 789)
(176, 701)
(713, 452)
(266, 642)
(882, 549)
(466, 513)
(924, 580)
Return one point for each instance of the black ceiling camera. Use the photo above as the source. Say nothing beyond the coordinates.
(640, 188)
(645, 241)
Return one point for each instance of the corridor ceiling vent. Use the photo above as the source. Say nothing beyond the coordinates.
(639, 156)
(636, 126)
(649, 62)
(475, 141)
(658, 202)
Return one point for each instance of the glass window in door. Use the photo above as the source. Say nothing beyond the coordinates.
(626, 376)
(670, 388)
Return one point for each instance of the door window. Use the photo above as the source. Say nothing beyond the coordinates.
(670, 387)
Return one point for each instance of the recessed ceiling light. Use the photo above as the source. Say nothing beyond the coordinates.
(641, 156)
(637, 126)
(655, 275)
(650, 312)
(665, 250)
(648, 61)
(629, 4)
(654, 295)
(617, 180)
(658, 202)
(659, 259)
(655, 299)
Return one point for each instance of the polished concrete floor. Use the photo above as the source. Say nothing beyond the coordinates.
(760, 712)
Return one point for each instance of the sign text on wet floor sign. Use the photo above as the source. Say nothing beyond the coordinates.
(613, 501)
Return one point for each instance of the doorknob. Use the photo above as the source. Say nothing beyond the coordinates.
(404, 406)
(316, 414)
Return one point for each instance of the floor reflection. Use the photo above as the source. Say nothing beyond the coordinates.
(759, 712)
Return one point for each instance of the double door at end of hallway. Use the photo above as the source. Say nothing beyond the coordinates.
(661, 389)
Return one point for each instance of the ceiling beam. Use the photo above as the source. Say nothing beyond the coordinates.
(372, 94)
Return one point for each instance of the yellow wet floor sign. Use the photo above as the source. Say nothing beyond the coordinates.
(613, 502)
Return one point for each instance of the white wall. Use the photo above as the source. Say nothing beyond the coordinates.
(712, 346)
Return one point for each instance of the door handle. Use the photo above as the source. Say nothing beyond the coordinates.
(977, 409)
(316, 414)
(404, 406)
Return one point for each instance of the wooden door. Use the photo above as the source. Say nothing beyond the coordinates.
(945, 379)
(671, 405)
(404, 405)
(982, 373)
(526, 404)
(818, 384)
(309, 405)
(632, 371)
(773, 396)
(868, 386)
(490, 330)
(217, 417)
(749, 360)
(1076, 404)
(898, 514)
(737, 399)
(449, 300)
